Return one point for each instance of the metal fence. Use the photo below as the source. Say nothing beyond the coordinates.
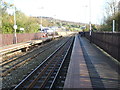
(109, 42)
(7, 39)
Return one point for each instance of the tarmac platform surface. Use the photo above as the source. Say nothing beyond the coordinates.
(91, 68)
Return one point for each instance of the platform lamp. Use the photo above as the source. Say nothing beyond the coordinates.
(90, 31)
(41, 8)
(54, 25)
(90, 17)
(15, 27)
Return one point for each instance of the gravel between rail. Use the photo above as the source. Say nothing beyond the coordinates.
(17, 75)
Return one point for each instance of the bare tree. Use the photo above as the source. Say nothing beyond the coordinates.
(111, 8)
(119, 6)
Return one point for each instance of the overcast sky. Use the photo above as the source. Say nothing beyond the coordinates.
(70, 10)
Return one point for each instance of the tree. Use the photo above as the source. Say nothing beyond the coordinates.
(119, 6)
(6, 19)
(111, 8)
(112, 14)
(107, 25)
(94, 27)
(28, 23)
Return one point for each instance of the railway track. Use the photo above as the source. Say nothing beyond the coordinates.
(13, 63)
(48, 72)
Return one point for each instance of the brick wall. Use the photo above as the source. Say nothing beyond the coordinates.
(7, 39)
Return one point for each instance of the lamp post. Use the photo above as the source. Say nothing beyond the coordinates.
(15, 27)
(90, 31)
(85, 10)
(85, 6)
(41, 17)
(54, 26)
(90, 16)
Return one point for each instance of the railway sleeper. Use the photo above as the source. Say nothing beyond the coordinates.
(53, 75)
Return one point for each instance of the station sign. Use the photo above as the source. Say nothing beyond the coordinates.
(15, 26)
(22, 29)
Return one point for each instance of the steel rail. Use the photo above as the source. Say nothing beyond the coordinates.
(60, 67)
(18, 64)
(56, 65)
(39, 66)
(41, 73)
(50, 72)
(15, 58)
(24, 55)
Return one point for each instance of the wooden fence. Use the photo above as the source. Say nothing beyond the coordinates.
(109, 42)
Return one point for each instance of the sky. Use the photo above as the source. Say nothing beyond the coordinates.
(81, 11)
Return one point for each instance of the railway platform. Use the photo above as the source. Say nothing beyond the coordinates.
(91, 68)
(23, 45)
